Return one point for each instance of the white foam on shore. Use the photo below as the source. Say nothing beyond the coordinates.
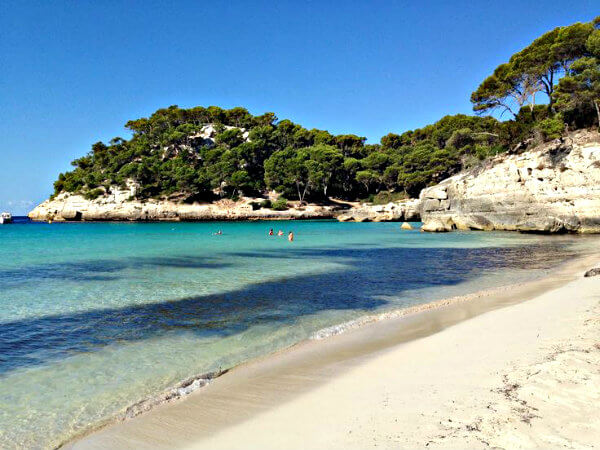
(178, 391)
(407, 311)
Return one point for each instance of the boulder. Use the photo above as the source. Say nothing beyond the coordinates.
(437, 225)
(406, 226)
(345, 217)
(437, 193)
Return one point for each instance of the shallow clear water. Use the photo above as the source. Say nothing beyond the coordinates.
(95, 317)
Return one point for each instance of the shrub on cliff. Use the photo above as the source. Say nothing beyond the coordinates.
(93, 194)
(280, 204)
(551, 127)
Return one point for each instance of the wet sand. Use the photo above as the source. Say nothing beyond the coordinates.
(516, 374)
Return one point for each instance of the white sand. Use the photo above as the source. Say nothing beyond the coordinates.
(523, 376)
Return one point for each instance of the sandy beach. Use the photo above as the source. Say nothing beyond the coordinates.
(495, 371)
(249, 226)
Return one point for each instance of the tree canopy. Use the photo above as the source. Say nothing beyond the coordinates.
(205, 153)
(167, 157)
(536, 68)
(579, 90)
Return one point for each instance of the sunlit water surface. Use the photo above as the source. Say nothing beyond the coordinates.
(95, 317)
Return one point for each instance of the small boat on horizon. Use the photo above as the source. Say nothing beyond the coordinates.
(5, 217)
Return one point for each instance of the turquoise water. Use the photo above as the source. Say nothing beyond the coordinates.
(95, 317)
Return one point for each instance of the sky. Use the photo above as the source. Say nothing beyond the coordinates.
(73, 72)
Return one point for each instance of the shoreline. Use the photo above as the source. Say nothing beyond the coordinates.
(358, 339)
(201, 220)
(119, 207)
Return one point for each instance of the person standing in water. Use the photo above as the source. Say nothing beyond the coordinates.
(291, 236)
(271, 232)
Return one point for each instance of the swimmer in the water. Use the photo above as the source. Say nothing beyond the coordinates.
(291, 236)
(271, 232)
(218, 233)
(280, 233)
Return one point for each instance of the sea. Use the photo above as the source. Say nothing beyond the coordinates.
(96, 317)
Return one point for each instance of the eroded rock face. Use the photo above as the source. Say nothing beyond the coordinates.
(119, 206)
(553, 188)
(392, 212)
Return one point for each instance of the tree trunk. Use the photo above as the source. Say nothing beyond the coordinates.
(304, 194)
(551, 91)
(507, 108)
(597, 112)
(548, 89)
(298, 189)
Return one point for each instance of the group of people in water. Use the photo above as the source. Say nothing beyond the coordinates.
(271, 233)
(280, 233)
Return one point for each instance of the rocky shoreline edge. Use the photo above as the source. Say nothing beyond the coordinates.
(118, 207)
(75, 208)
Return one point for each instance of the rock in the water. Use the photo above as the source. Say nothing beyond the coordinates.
(406, 226)
(592, 272)
(437, 225)
(553, 188)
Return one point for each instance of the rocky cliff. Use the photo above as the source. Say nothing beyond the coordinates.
(118, 206)
(407, 210)
(552, 188)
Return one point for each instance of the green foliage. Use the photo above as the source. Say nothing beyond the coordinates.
(534, 69)
(93, 194)
(368, 178)
(385, 197)
(593, 44)
(230, 138)
(280, 204)
(505, 87)
(551, 127)
(579, 90)
(266, 204)
(169, 155)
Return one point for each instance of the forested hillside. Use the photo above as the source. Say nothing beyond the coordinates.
(200, 154)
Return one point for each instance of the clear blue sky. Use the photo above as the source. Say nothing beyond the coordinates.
(73, 72)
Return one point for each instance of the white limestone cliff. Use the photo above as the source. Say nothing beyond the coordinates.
(552, 188)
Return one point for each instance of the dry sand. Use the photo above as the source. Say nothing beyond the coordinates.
(520, 376)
